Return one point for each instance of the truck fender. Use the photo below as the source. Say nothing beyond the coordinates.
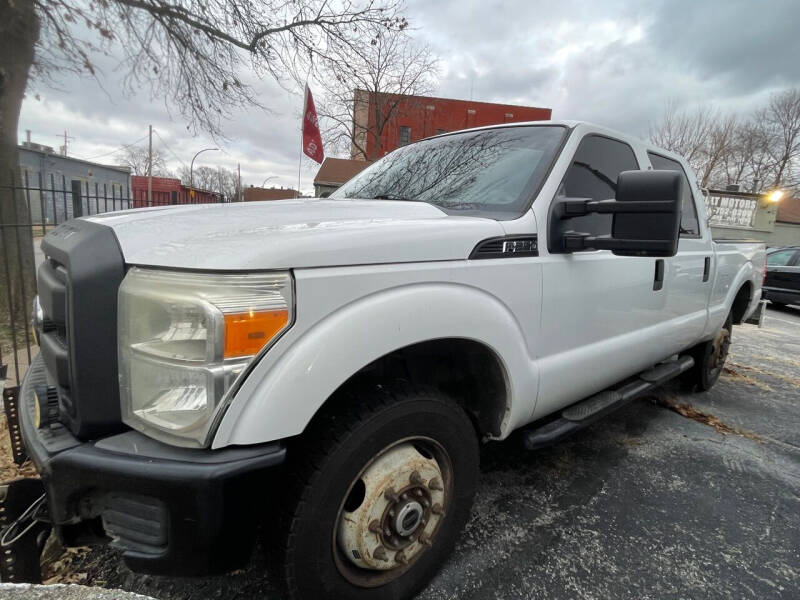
(279, 400)
(717, 314)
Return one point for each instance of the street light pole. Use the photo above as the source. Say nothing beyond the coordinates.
(267, 179)
(191, 170)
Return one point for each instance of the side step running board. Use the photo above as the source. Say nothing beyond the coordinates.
(584, 413)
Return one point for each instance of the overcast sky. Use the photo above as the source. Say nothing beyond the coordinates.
(611, 62)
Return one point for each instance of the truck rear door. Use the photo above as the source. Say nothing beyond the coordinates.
(688, 274)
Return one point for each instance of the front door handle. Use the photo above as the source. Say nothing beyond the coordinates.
(706, 268)
(658, 280)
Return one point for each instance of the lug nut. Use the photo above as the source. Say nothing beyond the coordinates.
(437, 509)
(404, 496)
(380, 554)
(391, 512)
(435, 484)
(390, 495)
(387, 532)
(416, 478)
(418, 492)
(401, 558)
(375, 526)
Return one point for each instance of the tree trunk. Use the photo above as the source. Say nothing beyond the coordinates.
(19, 29)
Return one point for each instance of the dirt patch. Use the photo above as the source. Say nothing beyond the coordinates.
(793, 381)
(746, 379)
(690, 412)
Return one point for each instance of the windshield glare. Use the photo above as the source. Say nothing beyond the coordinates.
(492, 171)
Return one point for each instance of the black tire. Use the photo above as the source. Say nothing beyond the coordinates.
(777, 304)
(709, 359)
(330, 456)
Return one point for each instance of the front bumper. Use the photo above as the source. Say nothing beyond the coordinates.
(171, 510)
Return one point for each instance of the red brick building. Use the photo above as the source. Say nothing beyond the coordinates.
(168, 190)
(418, 117)
(258, 194)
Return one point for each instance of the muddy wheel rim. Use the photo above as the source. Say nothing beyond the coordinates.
(719, 352)
(393, 511)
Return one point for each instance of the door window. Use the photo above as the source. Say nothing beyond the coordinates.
(593, 174)
(781, 258)
(690, 226)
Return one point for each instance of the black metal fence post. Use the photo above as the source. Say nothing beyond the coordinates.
(77, 208)
(20, 206)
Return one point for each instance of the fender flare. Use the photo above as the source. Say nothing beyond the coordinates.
(279, 400)
(719, 312)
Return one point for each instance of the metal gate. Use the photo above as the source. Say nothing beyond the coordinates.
(30, 206)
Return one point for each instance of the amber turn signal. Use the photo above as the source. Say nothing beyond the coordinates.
(246, 333)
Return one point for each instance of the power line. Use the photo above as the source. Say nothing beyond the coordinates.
(168, 148)
(117, 149)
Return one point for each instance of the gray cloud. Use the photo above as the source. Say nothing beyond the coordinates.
(611, 62)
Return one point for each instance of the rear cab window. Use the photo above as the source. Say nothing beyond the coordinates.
(690, 225)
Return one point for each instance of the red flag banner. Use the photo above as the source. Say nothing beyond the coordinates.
(312, 139)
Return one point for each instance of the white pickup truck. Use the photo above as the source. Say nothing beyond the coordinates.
(326, 369)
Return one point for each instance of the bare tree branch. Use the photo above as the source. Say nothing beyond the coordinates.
(757, 152)
(386, 66)
(136, 158)
(193, 51)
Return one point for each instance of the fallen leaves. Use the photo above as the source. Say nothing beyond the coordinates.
(690, 412)
(9, 470)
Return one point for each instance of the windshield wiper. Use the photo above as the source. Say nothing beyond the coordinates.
(463, 206)
(392, 197)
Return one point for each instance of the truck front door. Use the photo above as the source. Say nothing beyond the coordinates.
(600, 312)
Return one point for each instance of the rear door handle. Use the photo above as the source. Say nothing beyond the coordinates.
(658, 280)
(706, 268)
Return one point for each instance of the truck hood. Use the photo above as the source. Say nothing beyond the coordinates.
(300, 233)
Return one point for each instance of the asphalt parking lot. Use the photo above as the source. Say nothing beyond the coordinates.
(648, 503)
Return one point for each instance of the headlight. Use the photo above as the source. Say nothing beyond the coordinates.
(184, 338)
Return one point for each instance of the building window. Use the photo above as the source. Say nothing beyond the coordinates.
(404, 137)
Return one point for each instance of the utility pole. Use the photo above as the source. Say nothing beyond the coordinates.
(66, 141)
(239, 171)
(150, 169)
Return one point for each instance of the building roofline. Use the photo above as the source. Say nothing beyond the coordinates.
(456, 100)
(75, 159)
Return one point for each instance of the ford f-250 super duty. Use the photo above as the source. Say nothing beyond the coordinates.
(325, 370)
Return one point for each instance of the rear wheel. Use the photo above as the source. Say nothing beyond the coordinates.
(709, 359)
(382, 485)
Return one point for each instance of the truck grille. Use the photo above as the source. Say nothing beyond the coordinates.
(78, 285)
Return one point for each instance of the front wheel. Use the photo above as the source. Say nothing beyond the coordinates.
(383, 483)
(709, 358)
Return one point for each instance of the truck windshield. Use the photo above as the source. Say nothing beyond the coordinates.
(490, 173)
